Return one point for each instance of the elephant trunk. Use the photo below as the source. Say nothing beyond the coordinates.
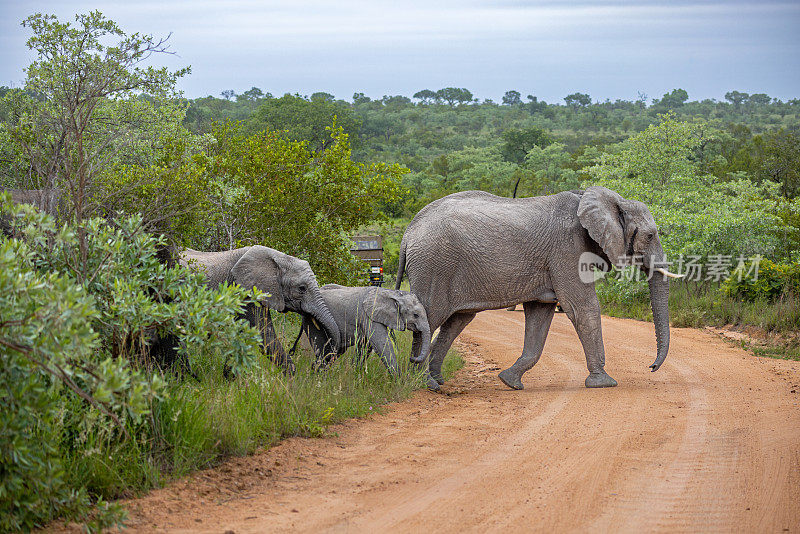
(659, 301)
(423, 337)
(321, 313)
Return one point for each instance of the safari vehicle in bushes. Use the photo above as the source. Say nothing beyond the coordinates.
(369, 248)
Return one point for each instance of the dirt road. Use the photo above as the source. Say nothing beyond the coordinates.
(711, 442)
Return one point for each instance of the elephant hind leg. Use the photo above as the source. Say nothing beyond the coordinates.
(538, 316)
(448, 332)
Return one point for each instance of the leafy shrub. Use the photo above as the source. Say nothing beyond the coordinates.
(280, 193)
(45, 331)
(79, 308)
(770, 282)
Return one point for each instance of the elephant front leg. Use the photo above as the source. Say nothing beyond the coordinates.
(272, 344)
(380, 342)
(321, 345)
(586, 320)
(538, 316)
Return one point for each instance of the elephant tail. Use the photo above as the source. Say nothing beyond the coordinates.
(401, 264)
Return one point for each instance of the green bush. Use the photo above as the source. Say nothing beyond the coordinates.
(769, 282)
(79, 308)
(45, 330)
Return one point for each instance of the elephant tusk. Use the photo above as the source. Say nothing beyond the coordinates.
(316, 324)
(669, 274)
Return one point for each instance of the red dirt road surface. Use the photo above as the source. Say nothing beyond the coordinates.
(711, 442)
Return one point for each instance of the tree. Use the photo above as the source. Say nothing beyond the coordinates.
(426, 96)
(380, 124)
(641, 100)
(517, 143)
(254, 94)
(760, 99)
(655, 155)
(453, 95)
(512, 98)
(322, 96)
(780, 160)
(674, 99)
(549, 166)
(95, 103)
(228, 94)
(736, 98)
(303, 119)
(698, 215)
(305, 203)
(534, 105)
(360, 98)
(395, 101)
(576, 100)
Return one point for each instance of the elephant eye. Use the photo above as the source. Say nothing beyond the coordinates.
(416, 316)
(651, 235)
(302, 289)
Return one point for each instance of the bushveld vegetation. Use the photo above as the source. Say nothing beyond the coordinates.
(92, 414)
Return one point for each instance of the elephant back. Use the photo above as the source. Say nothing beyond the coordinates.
(215, 266)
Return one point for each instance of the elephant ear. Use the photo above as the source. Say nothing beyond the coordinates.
(259, 268)
(386, 310)
(600, 212)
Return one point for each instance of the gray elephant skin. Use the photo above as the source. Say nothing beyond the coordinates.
(364, 316)
(289, 283)
(474, 251)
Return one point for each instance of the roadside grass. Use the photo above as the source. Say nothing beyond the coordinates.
(781, 352)
(697, 307)
(199, 423)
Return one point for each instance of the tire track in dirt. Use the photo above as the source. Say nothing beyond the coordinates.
(467, 475)
(711, 442)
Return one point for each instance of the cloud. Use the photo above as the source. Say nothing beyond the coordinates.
(380, 47)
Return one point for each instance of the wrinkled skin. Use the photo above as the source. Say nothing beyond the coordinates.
(289, 283)
(474, 251)
(364, 316)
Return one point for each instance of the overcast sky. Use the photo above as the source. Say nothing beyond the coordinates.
(546, 48)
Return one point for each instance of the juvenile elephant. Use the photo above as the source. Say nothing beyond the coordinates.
(364, 316)
(474, 251)
(289, 283)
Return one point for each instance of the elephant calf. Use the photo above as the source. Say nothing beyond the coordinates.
(289, 283)
(364, 316)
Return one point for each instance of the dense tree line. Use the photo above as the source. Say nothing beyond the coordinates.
(441, 134)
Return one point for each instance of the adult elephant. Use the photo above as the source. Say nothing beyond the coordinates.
(289, 284)
(474, 251)
(364, 316)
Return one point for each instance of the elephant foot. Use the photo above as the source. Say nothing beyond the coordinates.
(438, 377)
(433, 385)
(511, 379)
(600, 380)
